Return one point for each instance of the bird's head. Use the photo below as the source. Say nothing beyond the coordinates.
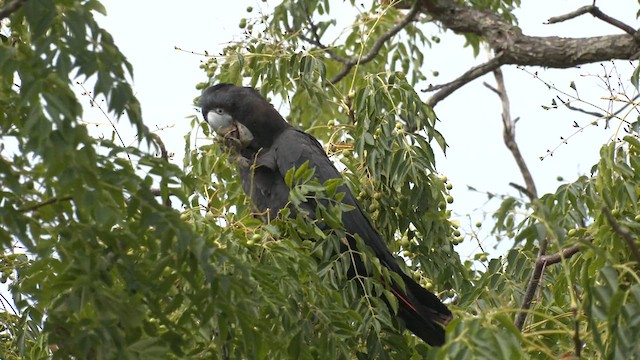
(241, 113)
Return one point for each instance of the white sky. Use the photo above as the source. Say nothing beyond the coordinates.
(470, 118)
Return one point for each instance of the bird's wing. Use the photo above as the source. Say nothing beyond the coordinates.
(292, 149)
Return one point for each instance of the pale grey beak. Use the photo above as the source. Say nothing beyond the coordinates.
(225, 126)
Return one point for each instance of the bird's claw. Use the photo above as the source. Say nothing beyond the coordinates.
(232, 143)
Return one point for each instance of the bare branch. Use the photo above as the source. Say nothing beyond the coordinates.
(534, 281)
(624, 234)
(351, 62)
(598, 114)
(596, 12)
(517, 48)
(542, 262)
(44, 203)
(93, 102)
(509, 135)
(163, 150)
(568, 105)
(566, 253)
(574, 14)
(577, 343)
(11, 8)
(315, 40)
(160, 143)
(339, 76)
(447, 89)
(522, 189)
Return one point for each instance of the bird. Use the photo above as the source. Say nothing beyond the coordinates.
(267, 146)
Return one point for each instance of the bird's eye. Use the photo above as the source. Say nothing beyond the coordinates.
(219, 111)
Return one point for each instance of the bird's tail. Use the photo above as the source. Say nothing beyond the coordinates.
(423, 313)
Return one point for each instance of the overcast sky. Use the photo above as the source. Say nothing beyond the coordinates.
(470, 118)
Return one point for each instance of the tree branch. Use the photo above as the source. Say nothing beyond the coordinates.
(447, 89)
(517, 48)
(574, 14)
(44, 203)
(566, 253)
(315, 39)
(351, 62)
(624, 234)
(577, 343)
(11, 8)
(542, 261)
(165, 156)
(598, 114)
(509, 135)
(596, 12)
(160, 143)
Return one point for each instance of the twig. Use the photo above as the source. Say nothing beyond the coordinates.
(615, 22)
(598, 114)
(509, 135)
(44, 203)
(542, 262)
(624, 234)
(575, 13)
(316, 37)
(163, 150)
(521, 188)
(353, 61)
(115, 129)
(160, 143)
(568, 105)
(11, 8)
(577, 343)
(596, 12)
(5, 302)
(475, 72)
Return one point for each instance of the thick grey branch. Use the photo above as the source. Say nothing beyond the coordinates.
(519, 49)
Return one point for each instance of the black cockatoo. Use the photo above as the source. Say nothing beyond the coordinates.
(271, 146)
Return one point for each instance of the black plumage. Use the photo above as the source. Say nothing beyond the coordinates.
(263, 138)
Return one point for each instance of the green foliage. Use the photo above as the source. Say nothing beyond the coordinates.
(379, 129)
(91, 252)
(100, 267)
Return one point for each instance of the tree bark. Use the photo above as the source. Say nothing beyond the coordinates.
(520, 49)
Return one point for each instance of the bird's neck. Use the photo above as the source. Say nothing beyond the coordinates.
(270, 130)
